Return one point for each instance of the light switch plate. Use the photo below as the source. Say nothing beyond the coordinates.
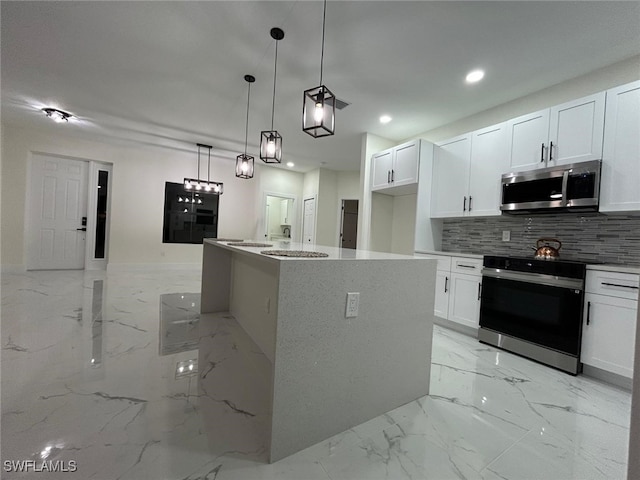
(353, 303)
(506, 235)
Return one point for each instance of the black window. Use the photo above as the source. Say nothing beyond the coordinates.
(189, 216)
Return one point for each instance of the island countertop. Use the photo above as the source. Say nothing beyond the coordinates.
(334, 253)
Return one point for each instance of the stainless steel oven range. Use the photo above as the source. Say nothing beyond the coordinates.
(534, 308)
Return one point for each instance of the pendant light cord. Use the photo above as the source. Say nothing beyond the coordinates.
(324, 16)
(209, 167)
(246, 129)
(275, 69)
(198, 163)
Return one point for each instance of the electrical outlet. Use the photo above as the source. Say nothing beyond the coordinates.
(353, 302)
(506, 235)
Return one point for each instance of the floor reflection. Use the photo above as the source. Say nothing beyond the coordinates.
(179, 320)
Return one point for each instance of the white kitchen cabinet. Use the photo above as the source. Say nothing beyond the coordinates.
(488, 162)
(567, 133)
(575, 130)
(609, 322)
(466, 173)
(458, 284)
(441, 304)
(449, 189)
(620, 175)
(284, 212)
(396, 167)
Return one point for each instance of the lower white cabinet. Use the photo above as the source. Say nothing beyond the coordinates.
(464, 301)
(609, 322)
(458, 284)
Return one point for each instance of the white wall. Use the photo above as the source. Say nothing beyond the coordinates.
(139, 174)
(597, 81)
(403, 226)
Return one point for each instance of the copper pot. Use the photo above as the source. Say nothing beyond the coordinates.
(544, 251)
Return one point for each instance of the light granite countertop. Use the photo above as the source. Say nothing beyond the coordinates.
(449, 254)
(615, 268)
(334, 253)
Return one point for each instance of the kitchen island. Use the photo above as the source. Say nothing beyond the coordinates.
(329, 372)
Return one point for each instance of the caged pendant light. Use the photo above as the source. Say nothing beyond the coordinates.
(318, 103)
(271, 140)
(207, 185)
(244, 162)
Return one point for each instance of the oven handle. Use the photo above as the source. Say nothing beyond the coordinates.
(537, 278)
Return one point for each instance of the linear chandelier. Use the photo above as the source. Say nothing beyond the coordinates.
(318, 103)
(244, 162)
(207, 185)
(271, 140)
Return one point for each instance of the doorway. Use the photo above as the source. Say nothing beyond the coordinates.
(309, 221)
(349, 224)
(279, 217)
(67, 213)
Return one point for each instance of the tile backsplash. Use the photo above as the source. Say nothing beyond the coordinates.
(590, 237)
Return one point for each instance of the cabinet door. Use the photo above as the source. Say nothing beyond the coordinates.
(488, 162)
(621, 153)
(575, 130)
(464, 301)
(443, 285)
(608, 341)
(527, 141)
(381, 170)
(450, 177)
(405, 164)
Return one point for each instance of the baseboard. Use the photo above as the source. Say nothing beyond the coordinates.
(13, 269)
(154, 267)
(443, 322)
(608, 377)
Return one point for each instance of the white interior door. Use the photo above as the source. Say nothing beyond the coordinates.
(309, 221)
(57, 205)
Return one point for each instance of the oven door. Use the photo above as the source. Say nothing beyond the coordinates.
(541, 309)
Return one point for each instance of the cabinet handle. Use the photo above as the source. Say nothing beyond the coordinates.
(388, 176)
(464, 205)
(446, 283)
(470, 198)
(551, 151)
(542, 153)
(462, 265)
(618, 285)
(479, 290)
(393, 175)
(588, 311)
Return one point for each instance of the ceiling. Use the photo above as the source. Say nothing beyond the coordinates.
(171, 73)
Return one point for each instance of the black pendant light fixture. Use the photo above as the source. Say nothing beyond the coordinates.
(244, 162)
(207, 185)
(271, 140)
(318, 103)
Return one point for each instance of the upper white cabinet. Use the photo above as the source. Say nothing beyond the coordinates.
(396, 167)
(488, 162)
(449, 190)
(284, 212)
(567, 133)
(467, 172)
(621, 152)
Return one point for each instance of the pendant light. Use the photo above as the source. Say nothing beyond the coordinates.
(244, 162)
(271, 140)
(207, 185)
(318, 103)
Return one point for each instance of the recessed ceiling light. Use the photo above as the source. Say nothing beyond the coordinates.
(56, 115)
(291, 164)
(475, 76)
(385, 119)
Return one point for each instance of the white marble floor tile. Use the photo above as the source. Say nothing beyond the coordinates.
(90, 375)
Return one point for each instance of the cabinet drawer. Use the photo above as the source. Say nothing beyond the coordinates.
(469, 266)
(613, 284)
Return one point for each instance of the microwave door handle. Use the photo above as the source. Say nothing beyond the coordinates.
(565, 183)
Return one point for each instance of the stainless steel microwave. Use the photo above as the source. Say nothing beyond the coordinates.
(564, 188)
